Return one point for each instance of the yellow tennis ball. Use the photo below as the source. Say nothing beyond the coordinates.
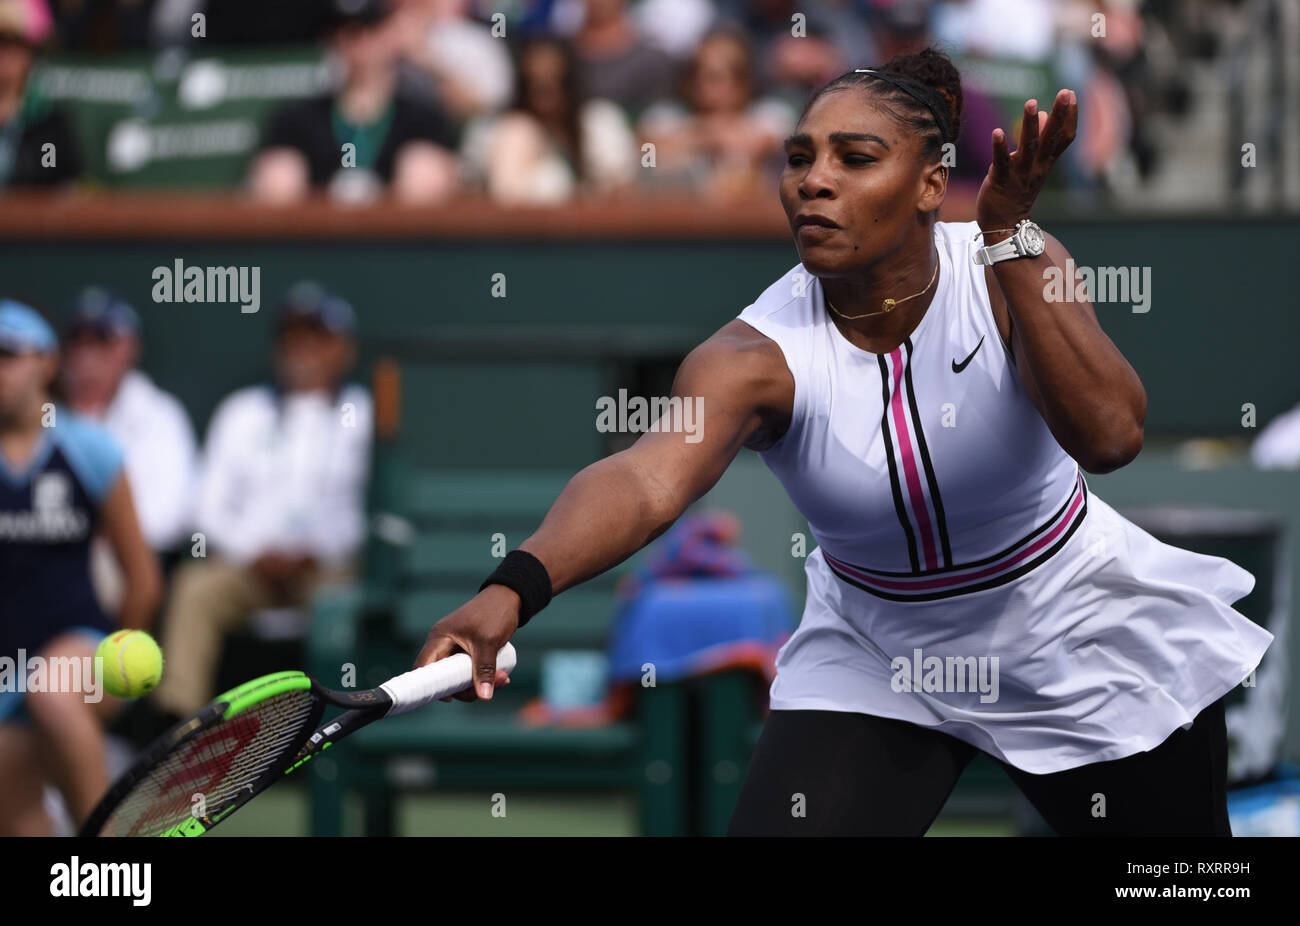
(132, 663)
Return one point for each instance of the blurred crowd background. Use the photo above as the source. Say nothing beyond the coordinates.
(545, 101)
(250, 430)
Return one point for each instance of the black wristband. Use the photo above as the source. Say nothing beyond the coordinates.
(525, 575)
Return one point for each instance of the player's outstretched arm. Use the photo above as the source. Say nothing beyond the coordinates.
(737, 386)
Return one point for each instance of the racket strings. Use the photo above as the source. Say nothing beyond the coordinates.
(215, 765)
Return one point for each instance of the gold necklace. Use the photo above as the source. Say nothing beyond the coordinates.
(889, 304)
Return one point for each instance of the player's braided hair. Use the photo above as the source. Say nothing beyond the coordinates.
(925, 82)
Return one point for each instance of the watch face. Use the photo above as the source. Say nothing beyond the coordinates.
(1032, 237)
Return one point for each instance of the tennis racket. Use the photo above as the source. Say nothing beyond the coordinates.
(205, 768)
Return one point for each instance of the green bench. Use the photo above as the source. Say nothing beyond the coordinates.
(443, 550)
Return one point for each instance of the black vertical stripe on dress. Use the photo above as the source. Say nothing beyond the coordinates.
(894, 484)
(925, 458)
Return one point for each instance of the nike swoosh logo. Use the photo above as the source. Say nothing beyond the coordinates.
(958, 367)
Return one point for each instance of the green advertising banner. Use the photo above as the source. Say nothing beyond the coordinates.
(176, 119)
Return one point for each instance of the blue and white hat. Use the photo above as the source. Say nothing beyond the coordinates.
(23, 331)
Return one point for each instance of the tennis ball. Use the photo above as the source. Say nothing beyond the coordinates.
(133, 663)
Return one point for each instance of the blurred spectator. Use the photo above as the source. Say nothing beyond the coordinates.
(552, 143)
(1101, 124)
(281, 496)
(829, 39)
(723, 143)
(366, 137)
(901, 28)
(455, 60)
(100, 381)
(37, 144)
(1111, 74)
(1278, 445)
(1021, 29)
(616, 61)
(676, 26)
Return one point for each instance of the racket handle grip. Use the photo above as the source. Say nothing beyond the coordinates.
(438, 680)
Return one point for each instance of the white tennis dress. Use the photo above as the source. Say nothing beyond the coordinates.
(965, 578)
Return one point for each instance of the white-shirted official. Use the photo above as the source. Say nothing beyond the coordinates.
(161, 457)
(286, 472)
(281, 494)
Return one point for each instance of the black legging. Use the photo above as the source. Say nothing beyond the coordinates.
(860, 775)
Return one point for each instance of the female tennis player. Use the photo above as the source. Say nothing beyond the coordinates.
(929, 411)
(61, 482)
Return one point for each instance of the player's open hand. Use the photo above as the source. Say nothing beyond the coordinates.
(1015, 178)
(480, 627)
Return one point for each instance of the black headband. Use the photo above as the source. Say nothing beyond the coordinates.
(924, 94)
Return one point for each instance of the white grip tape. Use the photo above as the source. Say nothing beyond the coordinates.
(438, 680)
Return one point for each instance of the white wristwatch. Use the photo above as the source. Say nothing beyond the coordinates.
(1028, 241)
